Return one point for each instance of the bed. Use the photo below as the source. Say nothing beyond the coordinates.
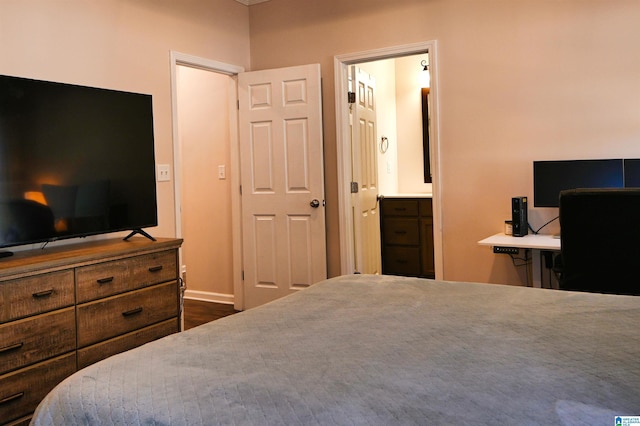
(377, 350)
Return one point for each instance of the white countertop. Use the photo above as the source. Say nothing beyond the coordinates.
(531, 241)
(408, 195)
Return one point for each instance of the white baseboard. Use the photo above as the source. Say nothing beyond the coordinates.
(206, 296)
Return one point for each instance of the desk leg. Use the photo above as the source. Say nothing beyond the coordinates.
(536, 268)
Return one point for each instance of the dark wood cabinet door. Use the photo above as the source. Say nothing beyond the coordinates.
(407, 237)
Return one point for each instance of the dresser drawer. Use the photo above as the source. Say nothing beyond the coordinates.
(102, 350)
(110, 317)
(401, 231)
(109, 278)
(22, 390)
(35, 294)
(34, 339)
(401, 207)
(401, 261)
(24, 421)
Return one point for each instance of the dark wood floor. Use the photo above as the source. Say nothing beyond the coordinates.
(197, 312)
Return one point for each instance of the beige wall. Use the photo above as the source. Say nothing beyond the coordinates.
(519, 81)
(410, 148)
(124, 45)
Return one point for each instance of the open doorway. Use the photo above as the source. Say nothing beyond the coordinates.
(203, 118)
(412, 54)
(399, 125)
(303, 163)
(206, 166)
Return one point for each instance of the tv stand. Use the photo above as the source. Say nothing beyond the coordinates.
(141, 232)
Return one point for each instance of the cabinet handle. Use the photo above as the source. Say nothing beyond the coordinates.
(155, 268)
(132, 312)
(44, 293)
(400, 209)
(401, 232)
(402, 261)
(11, 347)
(11, 398)
(105, 280)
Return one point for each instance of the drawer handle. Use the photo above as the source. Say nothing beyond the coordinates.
(11, 398)
(155, 268)
(402, 261)
(132, 312)
(105, 280)
(400, 209)
(11, 347)
(41, 294)
(401, 232)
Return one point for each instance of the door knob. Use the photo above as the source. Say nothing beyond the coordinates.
(314, 203)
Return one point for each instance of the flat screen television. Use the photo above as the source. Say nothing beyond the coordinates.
(74, 161)
(551, 177)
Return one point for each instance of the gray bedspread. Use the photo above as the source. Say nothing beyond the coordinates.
(378, 350)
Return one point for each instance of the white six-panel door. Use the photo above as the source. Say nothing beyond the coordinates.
(281, 161)
(365, 171)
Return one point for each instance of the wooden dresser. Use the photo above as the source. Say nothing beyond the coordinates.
(407, 237)
(63, 308)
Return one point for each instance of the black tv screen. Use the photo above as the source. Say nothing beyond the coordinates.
(74, 161)
(551, 177)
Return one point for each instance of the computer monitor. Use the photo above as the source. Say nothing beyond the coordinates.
(632, 173)
(551, 177)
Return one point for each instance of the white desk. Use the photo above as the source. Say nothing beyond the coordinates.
(535, 242)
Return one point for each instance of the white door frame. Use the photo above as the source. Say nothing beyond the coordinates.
(183, 59)
(341, 63)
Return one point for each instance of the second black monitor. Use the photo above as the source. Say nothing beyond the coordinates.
(632, 173)
(551, 177)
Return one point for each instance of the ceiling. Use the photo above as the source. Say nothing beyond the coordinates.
(250, 2)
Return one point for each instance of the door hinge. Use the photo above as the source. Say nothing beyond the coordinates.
(242, 275)
(354, 187)
(240, 189)
(238, 104)
(351, 97)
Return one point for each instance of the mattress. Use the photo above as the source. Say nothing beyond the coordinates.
(377, 350)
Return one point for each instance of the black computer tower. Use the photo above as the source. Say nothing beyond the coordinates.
(519, 216)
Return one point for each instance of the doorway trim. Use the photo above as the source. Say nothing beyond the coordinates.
(341, 63)
(182, 59)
